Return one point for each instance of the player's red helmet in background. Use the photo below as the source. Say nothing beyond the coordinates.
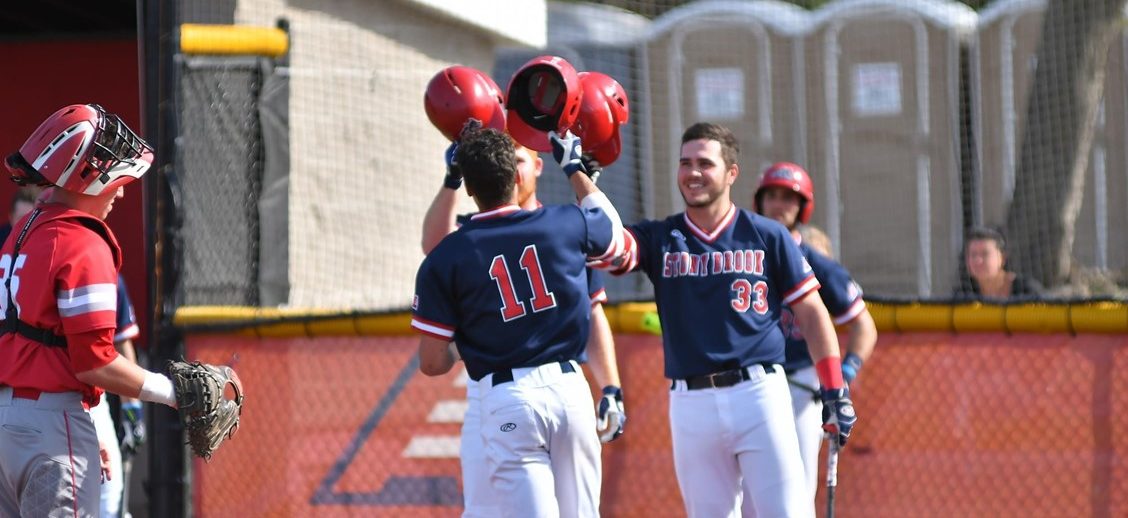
(457, 94)
(604, 107)
(83, 149)
(793, 178)
(544, 95)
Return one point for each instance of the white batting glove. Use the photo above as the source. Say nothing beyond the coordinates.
(567, 151)
(612, 416)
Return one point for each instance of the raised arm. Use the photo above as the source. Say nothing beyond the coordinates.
(568, 152)
(440, 218)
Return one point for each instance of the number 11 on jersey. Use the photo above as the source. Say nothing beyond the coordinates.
(511, 308)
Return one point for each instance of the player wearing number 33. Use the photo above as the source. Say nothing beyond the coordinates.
(509, 288)
(722, 277)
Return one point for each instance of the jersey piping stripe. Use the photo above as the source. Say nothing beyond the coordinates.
(614, 249)
(629, 255)
(431, 328)
(709, 237)
(131, 331)
(87, 299)
(504, 210)
(800, 291)
(850, 314)
(599, 297)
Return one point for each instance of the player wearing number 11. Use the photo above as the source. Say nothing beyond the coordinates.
(509, 287)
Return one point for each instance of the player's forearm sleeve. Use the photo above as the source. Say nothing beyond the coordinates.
(598, 200)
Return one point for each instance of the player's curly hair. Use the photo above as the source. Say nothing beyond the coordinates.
(488, 162)
(730, 148)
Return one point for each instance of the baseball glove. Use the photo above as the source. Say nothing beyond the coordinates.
(206, 414)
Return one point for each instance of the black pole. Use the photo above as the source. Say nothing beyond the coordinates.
(158, 45)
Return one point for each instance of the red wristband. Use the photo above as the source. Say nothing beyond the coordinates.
(829, 370)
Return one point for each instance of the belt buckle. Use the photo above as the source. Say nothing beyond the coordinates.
(724, 378)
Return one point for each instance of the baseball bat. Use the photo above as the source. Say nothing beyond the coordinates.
(126, 468)
(831, 473)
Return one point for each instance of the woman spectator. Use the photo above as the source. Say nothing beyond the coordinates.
(985, 253)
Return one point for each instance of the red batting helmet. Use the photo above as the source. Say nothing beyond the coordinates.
(81, 148)
(603, 109)
(793, 178)
(457, 94)
(544, 95)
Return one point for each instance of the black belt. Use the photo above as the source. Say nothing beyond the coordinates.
(723, 379)
(506, 375)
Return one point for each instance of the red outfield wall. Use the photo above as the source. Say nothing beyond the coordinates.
(950, 425)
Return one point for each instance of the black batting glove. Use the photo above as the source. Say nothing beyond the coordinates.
(591, 167)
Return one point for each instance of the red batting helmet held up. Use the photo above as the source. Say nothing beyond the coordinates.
(544, 95)
(793, 178)
(604, 107)
(83, 149)
(459, 93)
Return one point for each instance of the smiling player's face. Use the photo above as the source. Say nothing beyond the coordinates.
(703, 178)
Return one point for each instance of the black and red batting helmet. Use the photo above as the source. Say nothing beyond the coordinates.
(791, 177)
(604, 107)
(459, 93)
(544, 95)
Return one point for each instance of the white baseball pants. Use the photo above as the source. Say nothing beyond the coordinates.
(738, 439)
(476, 499)
(112, 488)
(542, 451)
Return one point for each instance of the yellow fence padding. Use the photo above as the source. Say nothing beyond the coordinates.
(641, 317)
(230, 40)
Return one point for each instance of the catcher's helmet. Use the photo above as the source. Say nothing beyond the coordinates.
(603, 109)
(81, 148)
(793, 178)
(544, 95)
(457, 94)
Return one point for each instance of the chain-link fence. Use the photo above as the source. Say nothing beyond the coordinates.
(979, 424)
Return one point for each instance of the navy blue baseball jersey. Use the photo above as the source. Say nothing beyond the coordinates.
(719, 294)
(510, 287)
(126, 318)
(597, 282)
(843, 299)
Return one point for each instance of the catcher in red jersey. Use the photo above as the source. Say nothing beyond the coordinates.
(58, 301)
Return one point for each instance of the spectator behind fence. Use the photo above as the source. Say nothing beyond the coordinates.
(23, 200)
(985, 252)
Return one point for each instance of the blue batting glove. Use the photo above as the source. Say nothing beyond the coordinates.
(851, 366)
(453, 178)
(567, 151)
(838, 413)
(611, 414)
